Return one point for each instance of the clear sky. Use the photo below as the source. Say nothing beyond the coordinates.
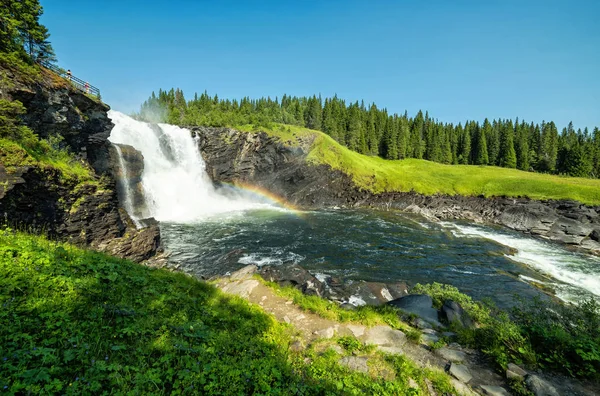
(536, 60)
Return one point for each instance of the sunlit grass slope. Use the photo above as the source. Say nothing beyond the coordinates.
(378, 175)
(79, 322)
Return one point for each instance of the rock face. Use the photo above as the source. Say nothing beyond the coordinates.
(37, 198)
(257, 159)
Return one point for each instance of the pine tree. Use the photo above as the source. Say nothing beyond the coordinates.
(507, 156)
(480, 149)
(521, 146)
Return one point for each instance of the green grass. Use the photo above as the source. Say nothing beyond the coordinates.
(378, 175)
(41, 153)
(80, 322)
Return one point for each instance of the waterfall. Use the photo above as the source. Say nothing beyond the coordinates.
(128, 204)
(174, 180)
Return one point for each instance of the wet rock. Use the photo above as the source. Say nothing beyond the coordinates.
(418, 304)
(460, 372)
(453, 313)
(539, 387)
(293, 275)
(136, 245)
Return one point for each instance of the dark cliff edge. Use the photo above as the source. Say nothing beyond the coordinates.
(256, 158)
(85, 212)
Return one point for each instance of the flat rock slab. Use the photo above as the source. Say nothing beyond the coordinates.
(383, 335)
(244, 273)
(494, 390)
(451, 355)
(460, 372)
(356, 330)
(516, 369)
(355, 363)
(326, 333)
(242, 289)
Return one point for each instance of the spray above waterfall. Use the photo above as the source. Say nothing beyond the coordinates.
(174, 180)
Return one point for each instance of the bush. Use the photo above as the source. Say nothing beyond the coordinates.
(525, 336)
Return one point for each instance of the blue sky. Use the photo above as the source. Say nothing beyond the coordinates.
(536, 60)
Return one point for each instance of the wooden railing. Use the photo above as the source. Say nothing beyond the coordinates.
(79, 84)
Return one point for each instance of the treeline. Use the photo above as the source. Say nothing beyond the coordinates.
(21, 32)
(373, 131)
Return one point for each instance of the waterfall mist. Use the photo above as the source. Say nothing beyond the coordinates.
(175, 184)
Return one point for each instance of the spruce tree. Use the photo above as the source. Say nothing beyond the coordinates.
(507, 156)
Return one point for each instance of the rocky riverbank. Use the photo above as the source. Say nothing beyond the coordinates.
(259, 159)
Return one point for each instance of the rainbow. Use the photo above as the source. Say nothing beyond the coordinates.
(266, 194)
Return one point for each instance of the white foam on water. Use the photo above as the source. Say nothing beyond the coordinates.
(259, 260)
(176, 186)
(356, 301)
(576, 270)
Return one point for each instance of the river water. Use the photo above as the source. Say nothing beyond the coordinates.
(210, 232)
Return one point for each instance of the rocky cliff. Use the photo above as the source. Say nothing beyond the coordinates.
(36, 196)
(258, 159)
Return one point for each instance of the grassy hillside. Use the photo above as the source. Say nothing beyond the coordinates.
(79, 322)
(378, 175)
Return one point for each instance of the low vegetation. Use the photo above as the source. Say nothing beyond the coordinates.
(563, 338)
(80, 322)
(19, 146)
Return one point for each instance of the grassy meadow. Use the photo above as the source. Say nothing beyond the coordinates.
(378, 175)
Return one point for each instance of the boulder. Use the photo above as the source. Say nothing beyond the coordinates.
(453, 313)
(451, 355)
(595, 235)
(460, 372)
(539, 387)
(418, 304)
(514, 372)
(293, 275)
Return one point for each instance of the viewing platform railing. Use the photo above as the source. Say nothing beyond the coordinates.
(79, 84)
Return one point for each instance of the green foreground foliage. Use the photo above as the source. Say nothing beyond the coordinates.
(563, 338)
(80, 322)
(373, 131)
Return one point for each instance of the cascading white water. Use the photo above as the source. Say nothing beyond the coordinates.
(576, 271)
(127, 193)
(176, 186)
